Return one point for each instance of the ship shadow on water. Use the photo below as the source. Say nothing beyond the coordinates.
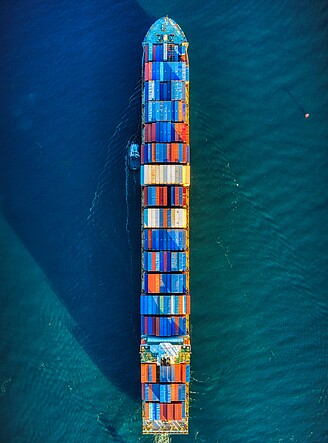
(72, 203)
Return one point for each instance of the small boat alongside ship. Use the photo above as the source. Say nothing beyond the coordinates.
(133, 154)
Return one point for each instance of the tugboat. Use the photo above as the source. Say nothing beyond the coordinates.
(133, 154)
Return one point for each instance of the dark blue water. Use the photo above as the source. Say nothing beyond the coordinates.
(70, 243)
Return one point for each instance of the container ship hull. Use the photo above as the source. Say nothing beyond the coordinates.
(165, 181)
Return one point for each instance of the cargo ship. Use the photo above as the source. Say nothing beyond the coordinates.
(165, 181)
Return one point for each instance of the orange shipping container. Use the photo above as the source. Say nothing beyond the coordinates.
(144, 376)
(146, 406)
(174, 392)
(178, 411)
(188, 304)
(170, 411)
(153, 283)
(150, 69)
(148, 372)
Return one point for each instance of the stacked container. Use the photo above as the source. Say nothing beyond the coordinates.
(165, 181)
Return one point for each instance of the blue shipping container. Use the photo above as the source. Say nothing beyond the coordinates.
(165, 239)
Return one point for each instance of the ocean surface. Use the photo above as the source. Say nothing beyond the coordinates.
(70, 219)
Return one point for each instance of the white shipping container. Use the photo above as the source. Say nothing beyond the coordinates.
(151, 90)
(166, 174)
(165, 52)
(152, 217)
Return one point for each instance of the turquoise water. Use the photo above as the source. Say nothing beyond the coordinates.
(70, 244)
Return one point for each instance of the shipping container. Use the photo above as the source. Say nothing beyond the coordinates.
(178, 90)
(161, 326)
(160, 91)
(166, 131)
(164, 283)
(148, 372)
(165, 304)
(165, 196)
(165, 174)
(164, 239)
(150, 391)
(166, 71)
(165, 261)
(164, 218)
(163, 393)
(175, 373)
(165, 152)
(152, 411)
(164, 111)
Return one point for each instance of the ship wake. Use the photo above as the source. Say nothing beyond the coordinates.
(115, 145)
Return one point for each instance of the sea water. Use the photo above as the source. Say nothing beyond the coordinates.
(70, 246)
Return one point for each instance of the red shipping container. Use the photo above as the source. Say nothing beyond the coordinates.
(153, 132)
(184, 153)
(142, 157)
(150, 71)
(184, 196)
(176, 195)
(153, 372)
(150, 132)
(168, 152)
(183, 373)
(145, 196)
(165, 196)
(146, 54)
(187, 133)
(146, 325)
(158, 326)
(163, 411)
